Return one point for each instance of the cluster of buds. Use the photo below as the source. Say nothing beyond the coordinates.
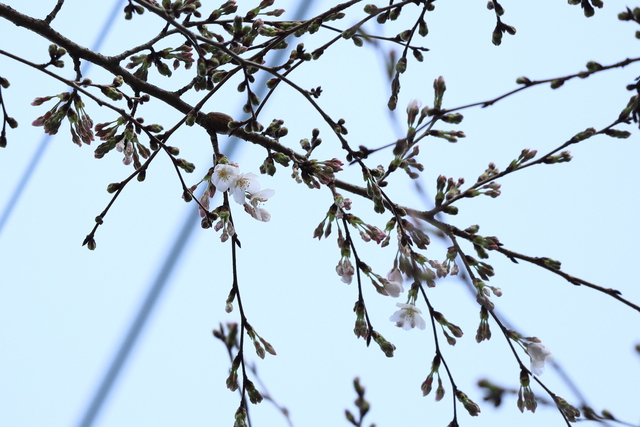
(526, 398)
(269, 165)
(55, 53)
(131, 9)
(489, 173)
(127, 142)
(427, 385)
(344, 268)
(224, 223)
(439, 87)
(145, 61)
(455, 330)
(361, 330)
(412, 113)
(373, 189)
(501, 28)
(447, 189)
(472, 408)
(581, 136)
(259, 343)
(258, 10)
(111, 91)
(227, 8)
(321, 230)
(414, 235)
(275, 129)
(448, 266)
(386, 347)
(587, 7)
(6, 120)
(309, 146)
(483, 294)
(630, 15)
(408, 162)
(361, 403)
(485, 289)
(367, 232)
(569, 411)
(524, 156)
(314, 173)
(564, 156)
(491, 189)
(483, 332)
(481, 243)
(450, 136)
(80, 123)
(414, 264)
(442, 269)
(178, 7)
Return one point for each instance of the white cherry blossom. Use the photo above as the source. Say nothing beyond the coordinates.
(224, 176)
(539, 354)
(408, 317)
(243, 184)
(253, 207)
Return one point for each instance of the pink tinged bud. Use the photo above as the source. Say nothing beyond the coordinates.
(439, 390)
(427, 385)
(38, 122)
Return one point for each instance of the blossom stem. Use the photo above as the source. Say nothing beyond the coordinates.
(358, 278)
(454, 387)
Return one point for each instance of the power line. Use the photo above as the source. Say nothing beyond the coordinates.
(158, 285)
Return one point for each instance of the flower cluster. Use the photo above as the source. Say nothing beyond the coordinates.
(244, 188)
(80, 123)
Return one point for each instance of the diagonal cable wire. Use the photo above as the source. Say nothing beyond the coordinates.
(164, 273)
(44, 142)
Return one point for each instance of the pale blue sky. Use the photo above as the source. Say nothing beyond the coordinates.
(64, 309)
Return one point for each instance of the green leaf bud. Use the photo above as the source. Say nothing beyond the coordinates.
(555, 84)
(615, 133)
(496, 37)
(347, 34)
(423, 29)
(370, 9)
(451, 210)
(113, 187)
(12, 122)
(593, 66)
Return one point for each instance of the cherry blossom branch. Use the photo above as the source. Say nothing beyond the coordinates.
(546, 263)
(567, 411)
(440, 358)
(235, 291)
(89, 240)
(556, 81)
(546, 159)
(360, 304)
